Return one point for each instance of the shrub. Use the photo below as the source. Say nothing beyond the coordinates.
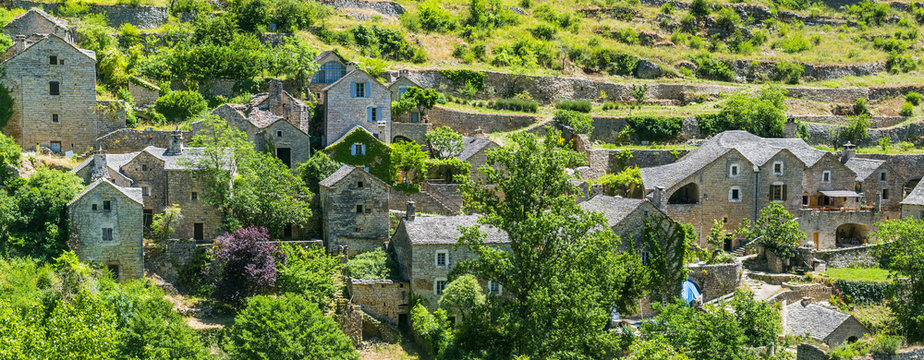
(434, 18)
(914, 98)
(309, 272)
(709, 68)
(854, 130)
(243, 264)
(907, 109)
(869, 12)
(900, 63)
(656, 128)
(863, 292)
(793, 43)
(627, 182)
(543, 32)
(581, 105)
(180, 105)
(789, 72)
(582, 123)
(700, 8)
(627, 36)
(449, 169)
(860, 108)
(516, 104)
(286, 327)
(434, 329)
(391, 44)
(372, 265)
(462, 78)
(763, 115)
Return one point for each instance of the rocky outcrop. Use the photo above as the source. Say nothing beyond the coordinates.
(387, 8)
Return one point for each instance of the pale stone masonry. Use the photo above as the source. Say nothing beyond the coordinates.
(106, 228)
(53, 84)
(332, 67)
(166, 179)
(913, 205)
(385, 300)
(356, 99)
(355, 215)
(626, 217)
(398, 88)
(37, 21)
(821, 323)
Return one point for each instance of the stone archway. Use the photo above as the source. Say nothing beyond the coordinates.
(398, 138)
(688, 194)
(851, 234)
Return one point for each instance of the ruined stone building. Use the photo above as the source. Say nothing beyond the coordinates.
(427, 251)
(355, 215)
(913, 205)
(53, 84)
(165, 179)
(821, 323)
(37, 21)
(332, 68)
(475, 151)
(356, 99)
(106, 228)
(735, 174)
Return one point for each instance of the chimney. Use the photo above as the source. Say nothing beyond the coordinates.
(403, 72)
(19, 44)
(275, 88)
(850, 150)
(381, 125)
(657, 198)
(806, 300)
(411, 211)
(480, 134)
(176, 144)
(98, 171)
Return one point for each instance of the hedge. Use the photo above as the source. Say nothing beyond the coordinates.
(656, 128)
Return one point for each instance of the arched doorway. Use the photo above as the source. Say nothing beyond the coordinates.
(400, 138)
(688, 194)
(851, 234)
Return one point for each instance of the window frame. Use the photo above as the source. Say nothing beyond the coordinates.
(885, 193)
(360, 209)
(883, 176)
(105, 232)
(193, 196)
(734, 170)
(826, 176)
(53, 60)
(500, 288)
(436, 258)
(54, 88)
(731, 192)
(437, 289)
(107, 205)
(145, 190)
(773, 188)
(782, 168)
(55, 118)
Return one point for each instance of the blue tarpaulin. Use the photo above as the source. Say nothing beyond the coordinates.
(689, 292)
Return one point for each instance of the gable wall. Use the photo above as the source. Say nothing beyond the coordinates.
(125, 250)
(340, 219)
(345, 111)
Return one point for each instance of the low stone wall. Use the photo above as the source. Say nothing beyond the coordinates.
(846, 257)
(875, 121)
(387, 8)
(141, 94)
(467, 122)
(747, 70)
(417, 132)
(771, 278)
(819, 134)
(817, 293)
(715, 280)
(810, 352)
(384, 300)
(168, 262)
(142, 16)
(130, 140)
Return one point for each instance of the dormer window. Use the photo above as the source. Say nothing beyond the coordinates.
(53, 60)
(826, 176)
(734, 170)
(778, 167)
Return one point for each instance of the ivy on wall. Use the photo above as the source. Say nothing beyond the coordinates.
(377, 157)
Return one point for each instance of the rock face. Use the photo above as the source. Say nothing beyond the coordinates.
(648, 70)
(387, 8)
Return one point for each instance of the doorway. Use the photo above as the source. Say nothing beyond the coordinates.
(285, 154)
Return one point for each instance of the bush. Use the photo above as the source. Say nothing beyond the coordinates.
(448, 169)
(598, 59)
(243, 264)
(375, 41)
(463, 78)
(286, 327)
(870, 12)
(309, 272)
(516, 104)
(708, 67)
(700, 8)
(763, 115)
(581, 105)
(180, 105)
(907, 109)
(434, 18)
(434, 329)
(788, 72)
(914, 98)
(627, 36)
(793, 43)
(543, 32)
(863, 292)
(581, 123)
(372, 265)
(860, 107)
(855, 130)
(655, 128)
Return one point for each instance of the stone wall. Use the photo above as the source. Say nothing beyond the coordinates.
(355, 216)
(607, 161)
(745, 70)
(817, 292)
(424, 201)
(908, 166)
(715, 280)
(466, 123)
(819, 134)
(384, 300)
(128, 140)
(416, 132)
(344, 111)
(142, 16)
(846, 257)
(810, 352)
(169, 261)
(875, 121)
(825, 224)
(387, 8)
(142, 94)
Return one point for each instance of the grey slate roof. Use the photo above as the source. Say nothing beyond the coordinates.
(171, 162)
(335, 83)
(131, 193)
(36, 11)
(755, 149)
(342, 172)
(916, 197)
(352, 129)
(48, 37)
(863, 167)
(444, 230)
(614, 208)
(472, 146)
(816, 320)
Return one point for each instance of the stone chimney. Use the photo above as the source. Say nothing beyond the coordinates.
(176, 144)
(380, 127)
(657, 198)
(411, 211)
(98, 170)
(275, 88)
(850, 150)
(806, 300)
(19, 44)
(480, 134)
(404, 72)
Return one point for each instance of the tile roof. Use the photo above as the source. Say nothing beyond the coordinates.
(444, 230)
(335, 83)
(131, 193)
(472, 146)
(863, 167)
(814, 319)
(614, 208)
(755, 149)
(916, 197)
(342, 172)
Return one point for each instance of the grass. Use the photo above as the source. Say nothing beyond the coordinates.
(386, 351)
(893, 150)
(859, 274)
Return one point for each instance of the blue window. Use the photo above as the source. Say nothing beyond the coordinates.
(358, 89)
(329, 73)
(372, 114)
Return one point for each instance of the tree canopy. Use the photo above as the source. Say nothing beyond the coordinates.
(903, 246)
(445, 142)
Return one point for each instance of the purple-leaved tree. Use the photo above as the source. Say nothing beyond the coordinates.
(243, 264)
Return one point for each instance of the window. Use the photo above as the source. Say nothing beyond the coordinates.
(401, 91)
(373, 114)
(359, 209)
(93, 207)
(330, 72)
(198, 231)
(144, 167)
(194, 196)
(54, 118)
(359, 89)
(113, 270)
(826, 176)
(278, 133)
(883, 176)
(359, 184)
(358, 149)
(54, 88)
(644, 255)
(438, 286)
(885, 194)
(145, 191)
(442, 258)
(107, 234)
(777, 192)
(107, 206)
(494, 288)
(147, 216)
(734, 194)
(805, 200)
(53, 60)
(55, 147)
(778, 167)
(733, 170)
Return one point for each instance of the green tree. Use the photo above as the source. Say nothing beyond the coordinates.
(415, 99)
(903, 245)
(581, 122)
(434, 328)
(180, 105)
(81, 329)
(286, 327)
(445, 142)
(371, 265)
(763, 115)
(6, 102)
(162, 225)
(666, 242)
(759, 319)
(775, 229)
(293, 59)
(9, 155)
(654, 348)
(39, 226)
(317, 168)
(563, 272)
(462, 296)
(409, 161)
(855, 130)
(309, 272)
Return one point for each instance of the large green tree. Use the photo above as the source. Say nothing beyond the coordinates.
(762, 115)
(444, 142)
(317, 168)
(563, 272)
(9, 152)
(37, 224)
(775, 229)
(415, 99)
(409, 161)
(903, 247)
(666, 242)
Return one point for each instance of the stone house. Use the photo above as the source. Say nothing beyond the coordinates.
(626, 217)
(426, 250)
(913, 205)
(53, 84)
(354, 206)
(821, 323)
(361, 148)
(332, 68)
(735, 174)
(398, 88)
(37, 21)
(107, 229)
(268, 131)
(356, 99)
(877, 181)
(166, 179)
(475, 151)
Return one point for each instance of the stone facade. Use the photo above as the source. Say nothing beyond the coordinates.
(398, 88)
(332, 68)
(361, 148)
(36, 21)
(355, 211)
(167, 262)
(913, 204)
(715, 281)
(430, 199)
(142, 16)
(53, 85)
(357, 99)
(847, 257)
(127, 140)
(386, 300)
(106, 224)
(828, 229)
(416, 132)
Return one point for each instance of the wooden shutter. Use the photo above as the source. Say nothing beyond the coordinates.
(352, 89)
(784, 193)
(771, 193)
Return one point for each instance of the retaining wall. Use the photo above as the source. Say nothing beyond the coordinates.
(846, 257)
(168, 262)
(466, 123)
(142, 16)
(715, 280)
(819, 134)
(128, 140)
(387, 8)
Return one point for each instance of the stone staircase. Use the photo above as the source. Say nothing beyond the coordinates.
(741, 249)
